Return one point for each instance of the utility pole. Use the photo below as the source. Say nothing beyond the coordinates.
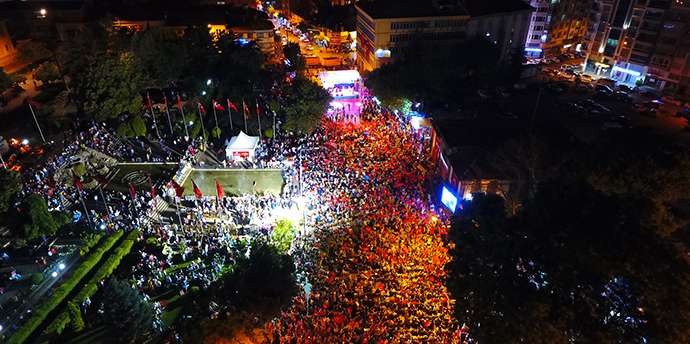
(36, 120)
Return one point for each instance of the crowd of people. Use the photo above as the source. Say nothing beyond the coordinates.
(377, 253)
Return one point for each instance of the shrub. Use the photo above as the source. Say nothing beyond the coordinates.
(59, 294)
(37, 278)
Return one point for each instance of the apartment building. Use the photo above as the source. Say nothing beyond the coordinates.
(538, 27)
(386, 28)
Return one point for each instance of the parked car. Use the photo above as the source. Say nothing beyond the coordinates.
(623, 96)
(603, 90)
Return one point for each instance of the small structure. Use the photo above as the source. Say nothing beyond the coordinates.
(241, 147)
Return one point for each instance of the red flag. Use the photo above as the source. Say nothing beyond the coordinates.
(165, 99)
(132, 191)
(179, 103)
(197, 191)
(217, 106)
(77, 182)
(201, 108)
(179, 190)
(245, 108)
(258, 111)
(148, 101)
(219, 189)
(232, 106)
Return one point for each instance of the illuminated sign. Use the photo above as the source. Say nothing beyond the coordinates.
(449, 200)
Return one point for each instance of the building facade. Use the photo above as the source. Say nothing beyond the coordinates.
(568, 26)
(642, 42)
(538, 27)
(7, 50)
(385, 30)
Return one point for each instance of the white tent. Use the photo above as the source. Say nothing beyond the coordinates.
(241, 147)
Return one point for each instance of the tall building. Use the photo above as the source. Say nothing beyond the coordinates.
(669, 66)
(538, 27)
(386, 28)
(637, 40)
(568, 26)
(7, 50)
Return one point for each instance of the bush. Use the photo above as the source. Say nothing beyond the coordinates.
(75, 317)
(37, 278)
(89, 240)
(92, 286)
(59, 294)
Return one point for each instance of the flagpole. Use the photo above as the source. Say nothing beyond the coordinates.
(153, 115)
(86, 210)
(274, 124)
(167, 112)
(36, 120)
(258, 117)
(230, 116)
(201, 118)
(215, 117)
(184, 120)
(244, 114)
(177, 207)
(105, 202)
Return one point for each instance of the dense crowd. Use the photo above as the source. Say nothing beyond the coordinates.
(376, 259)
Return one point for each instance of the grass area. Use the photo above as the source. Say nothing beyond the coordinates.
(235, 181)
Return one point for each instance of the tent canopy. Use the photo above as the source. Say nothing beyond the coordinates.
(243, 141)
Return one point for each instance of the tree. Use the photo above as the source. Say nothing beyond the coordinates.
(30, 51)
(216, 132)
(574, 264)
(76, 320)
(293, 53)
(283, 234)
(5, 80)
(113, 86)
(161, 53)
(10, 185)
(38, 220)
(138, 126)
(125, 310)
(304, 103)
(47, 72)
(262, 284)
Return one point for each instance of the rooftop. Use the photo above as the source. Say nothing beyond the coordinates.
(379, 9)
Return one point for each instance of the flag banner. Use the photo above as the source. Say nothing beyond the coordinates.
(77, 182)
(201, 108)
(179, 103)
(219, 189)
(217, 106)
(179, 190)
(232, 106)
(132, 191)
(197, 191)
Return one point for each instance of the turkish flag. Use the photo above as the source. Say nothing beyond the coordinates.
(201, 108)
(77, 182)
(179, 103)
(132, 191)
(197, 191)
(217, 106)
(219, 189)
(179, 190)
(232, 106)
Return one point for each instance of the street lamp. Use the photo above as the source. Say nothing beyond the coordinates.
(208, 82)
(203, 93)
(54, 274)
(43, 12)
(61, 266)
(25, 142)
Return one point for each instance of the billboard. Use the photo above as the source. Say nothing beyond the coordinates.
(449, 199)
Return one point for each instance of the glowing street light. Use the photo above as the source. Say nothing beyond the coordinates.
(43, 12)
(25, 142)
(54, 274)
(61, 266)
(208, 82)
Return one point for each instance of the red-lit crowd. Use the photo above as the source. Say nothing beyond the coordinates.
(375, 261)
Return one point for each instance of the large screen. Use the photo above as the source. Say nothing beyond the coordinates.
(449, 199)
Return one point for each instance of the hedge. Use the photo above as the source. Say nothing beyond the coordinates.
(90, 242)
(59, 294)
(61, 322)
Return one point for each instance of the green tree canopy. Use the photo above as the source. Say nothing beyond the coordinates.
(125, 310)
(304, 103)
(293, 54)
(574, 264)
(113, 87)
(10, 184)
(38, 220)
(46, 72)
(262, 284)
(283, 234)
